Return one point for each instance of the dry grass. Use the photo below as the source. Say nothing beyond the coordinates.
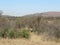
(34, 40)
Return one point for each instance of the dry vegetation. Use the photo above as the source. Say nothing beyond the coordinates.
(29, 30)
(34, 40)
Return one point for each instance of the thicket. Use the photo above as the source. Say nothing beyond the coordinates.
(49, 30)
(6, 33)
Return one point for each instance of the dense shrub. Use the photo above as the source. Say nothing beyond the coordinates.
(3, 33)
(14, 33)
(11, 34)
(25, 34)
(57, 33)
(52, 32)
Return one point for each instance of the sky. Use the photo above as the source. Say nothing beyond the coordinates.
(23, 7)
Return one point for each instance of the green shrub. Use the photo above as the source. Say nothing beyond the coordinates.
(25, 34)
(5, 33)
(1, 33)
(11, 34)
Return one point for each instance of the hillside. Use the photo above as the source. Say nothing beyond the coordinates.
(30, 20)
(48, 22)
(47, 14)
(32, 29)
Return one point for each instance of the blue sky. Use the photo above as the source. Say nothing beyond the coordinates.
(23, 7)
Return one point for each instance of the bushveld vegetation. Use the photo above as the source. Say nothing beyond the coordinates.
(21, 27)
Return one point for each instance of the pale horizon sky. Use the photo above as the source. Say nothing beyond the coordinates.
(23, 7)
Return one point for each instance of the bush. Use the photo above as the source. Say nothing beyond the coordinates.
(52, 33)
(57, 33)
(11, 34)
(25, 34)
(5, 33)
